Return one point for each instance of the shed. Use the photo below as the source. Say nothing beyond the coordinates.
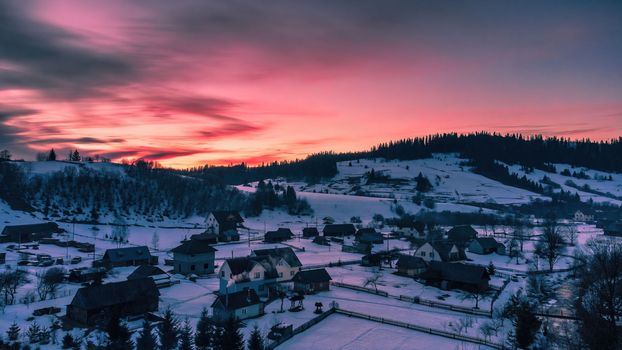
(339, 230)
(408, 265)
(312, 281)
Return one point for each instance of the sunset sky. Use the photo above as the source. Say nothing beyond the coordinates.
(194, 82)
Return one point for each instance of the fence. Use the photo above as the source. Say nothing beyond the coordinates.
(303, 327)
(415, 327)
(424, 302)
(331, 264)
(359, 288)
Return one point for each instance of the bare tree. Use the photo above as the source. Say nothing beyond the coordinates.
(10, 281)
(571, 234)
(373, 281)
(551, 244)
(599, 303)
(477, 295)
(520, 234)
(49, 282)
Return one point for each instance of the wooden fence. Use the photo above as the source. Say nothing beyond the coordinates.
(360, 289)
(435, 304)
(303, 327)
(415, 327)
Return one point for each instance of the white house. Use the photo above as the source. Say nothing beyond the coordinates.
(440, 251)
(581, 217)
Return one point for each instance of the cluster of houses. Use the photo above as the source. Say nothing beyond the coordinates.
(247, 282)
(440, 263)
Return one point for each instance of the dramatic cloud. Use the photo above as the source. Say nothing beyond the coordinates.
(219, 82)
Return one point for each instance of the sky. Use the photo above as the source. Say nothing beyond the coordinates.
(189, 83)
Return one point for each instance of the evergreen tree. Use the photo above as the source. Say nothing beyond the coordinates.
(52, 155)
(491, 269)
(232, 338)
(185, 337)
(217, 343)
(119, 336)
(13, 332)
(256, 341)
(526, 324)
(68, 341)
(204, 335)
(168, 331)
(146, 339)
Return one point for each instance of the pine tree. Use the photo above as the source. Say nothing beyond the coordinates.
(491, 269)
(119, 337)
(52, 155)
(13, 332)
(168, 331)
(255, 342)
(68, 341)
(232, 338)
(204, 335)
(146, 340)
(185, 337)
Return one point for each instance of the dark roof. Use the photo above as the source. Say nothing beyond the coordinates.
(240, 265)
(456, 272)
(280, 234)
(462, 233)
(194, 247)
(48, 227)
(369, 235)
(487, 242)
(312, 276)
(206, 236)
(286, 253)
(227, 219)
(442, 248)
(310, 231)
(320, 240)
(237, 300)
(146, 271)
(109, 294)
(339, 229)
(410, 262)
(127, 254)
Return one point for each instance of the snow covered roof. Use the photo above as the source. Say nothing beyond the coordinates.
(286, 253)
(127, 254)
(146, 271)
(237, 300)
(410, 262)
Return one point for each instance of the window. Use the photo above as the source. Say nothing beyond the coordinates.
(431, 254)
(257, 274)
(244, 311)
(191, 267)
(422, 253)
(206, 266)
(222, 274)
(291, 273)
(281, 274)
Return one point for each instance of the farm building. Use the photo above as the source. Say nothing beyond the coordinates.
(130, 256)
(339, 230)
(280, 235)
(159, 276)
(309, 232)
(311, 281)
(28, 233)
(456, 275)
(369, 236)
(96, 304)
(408, 265)
(486, 245)
(461, 235)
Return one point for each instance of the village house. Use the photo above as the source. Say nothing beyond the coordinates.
(310, 232)
(159, 276)
(456, 275)
(97, 304)
(461, 235)
(240, 305)
(280, 235)
(261, 271)
(130, 256)
(225, 224)
(311, 281)
(194, 257)
(440, 251)
(579, 216)
(369, 236)
(412, 266)
(339, 230)
(410, 228)
(28, 233)
(486, 245)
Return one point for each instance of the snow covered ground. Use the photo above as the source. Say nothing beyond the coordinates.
(345, 333)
